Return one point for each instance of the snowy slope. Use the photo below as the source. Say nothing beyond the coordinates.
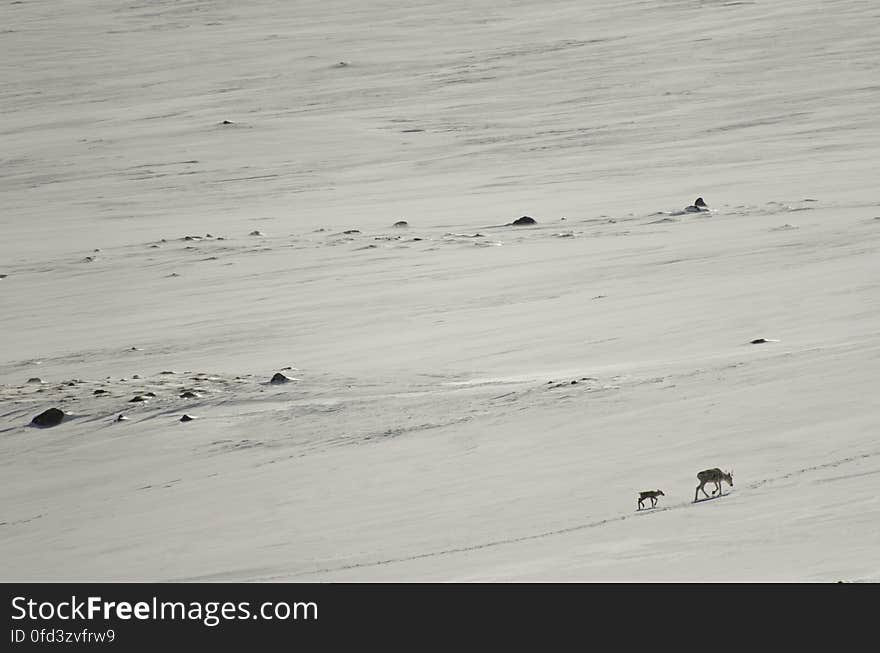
(432, 430)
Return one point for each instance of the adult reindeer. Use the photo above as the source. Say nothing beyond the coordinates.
(715, 476)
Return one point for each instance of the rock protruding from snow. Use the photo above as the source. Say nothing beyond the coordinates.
(525, 220)
(279, 378)
(400, 224)
(698, 206)
(51, 417)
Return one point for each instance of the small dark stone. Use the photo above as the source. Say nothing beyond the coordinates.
(189, 395)
(187, 418)
(279, 378)
(51, 417)
(99, 392)
(226, 122)
(574, 382)
(121, 418)
(400, 224)
(759, 341)
(150, 394)
(256, 232)
(35, 379)
(136, 399)
(524, 220)
(352, 231)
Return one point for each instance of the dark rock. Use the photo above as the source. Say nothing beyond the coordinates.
(352, 231)
(256, 232)
(99, 392)
(759, 341)
(187, 418)
(524, 221)
(150, 394)
(400, 224)
(226, 122)
(51, 417)
(35, 379)
(121, 418)
(279, 378)
(136, 399)
(697, 206)
(189, 395)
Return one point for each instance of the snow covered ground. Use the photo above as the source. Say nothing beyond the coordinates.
(432, 429)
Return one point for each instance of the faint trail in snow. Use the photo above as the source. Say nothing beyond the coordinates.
(814, 468)
(570, 529)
